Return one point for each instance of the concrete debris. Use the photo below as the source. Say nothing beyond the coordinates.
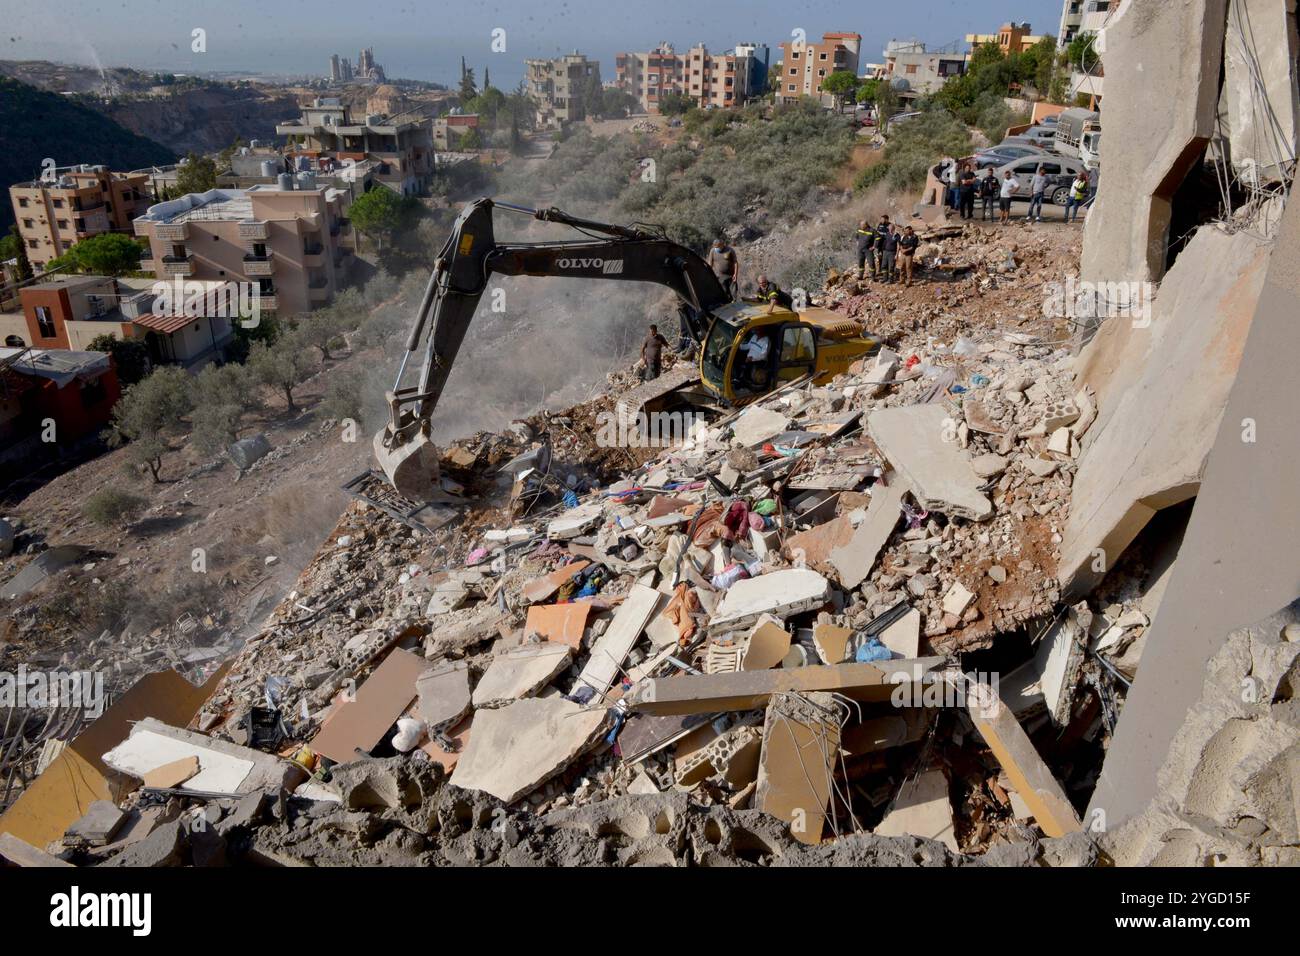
(916, 441)
(518, 747)
(801, 741)
(782, 593)
(922, 809)
(521, 672)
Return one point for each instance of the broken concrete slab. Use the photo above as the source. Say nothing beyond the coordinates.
(873, 734)
(957, 598)
(766, 645)
(98, 827)
(920, 442)
(784, 592)
(575, 521)
(747, 690)
(903, 637)
(812, 547)
(224, 767)
(610, 650)
(922, 809)
(516, 748)
(23, 854)
(757, 424)
(521, 672)
(442, 693)
(855, 560)
(832, 642)
(801, 738)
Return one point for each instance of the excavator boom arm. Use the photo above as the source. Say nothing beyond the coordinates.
(460, 277)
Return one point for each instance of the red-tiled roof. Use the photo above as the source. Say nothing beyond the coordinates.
(167, 324)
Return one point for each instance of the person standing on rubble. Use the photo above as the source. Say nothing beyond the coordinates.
(882, 232)
(889, 253)
(865, 238)
(966, 190)
(1078, 194)
(989, 194)
(907, 244)
(725, 265)
(1008, 186)
(652, 353)
(1037, 187)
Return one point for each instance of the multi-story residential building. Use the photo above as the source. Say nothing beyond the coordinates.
(922, 70)
(74, 203)
(1085, 16)
(448, 129)
(328, 136)
(559, 86)
(1010, 38)
(716, 80)
(292, 241)
(805, 65)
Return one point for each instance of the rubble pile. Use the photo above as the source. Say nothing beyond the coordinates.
(749, 645)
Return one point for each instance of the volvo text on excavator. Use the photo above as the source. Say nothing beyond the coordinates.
(809, 342)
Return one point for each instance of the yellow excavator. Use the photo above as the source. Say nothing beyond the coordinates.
(747, 348)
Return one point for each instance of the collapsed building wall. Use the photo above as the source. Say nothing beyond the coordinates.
(1163, 362)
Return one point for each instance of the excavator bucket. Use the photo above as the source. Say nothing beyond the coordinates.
(411, 467)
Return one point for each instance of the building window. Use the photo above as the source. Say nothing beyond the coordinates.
(27, 224)
(793, 72)
(22, 201)
(58, 204)
(821, 56)
(789, 88)
(62, 224)
(911, 68)
(45, 322)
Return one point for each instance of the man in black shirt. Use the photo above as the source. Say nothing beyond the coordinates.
(889, 248)
(907, 244)
(966, 192)
(989, 194)
(652, 352)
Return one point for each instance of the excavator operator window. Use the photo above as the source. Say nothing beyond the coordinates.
(798, 352)
(751, 373)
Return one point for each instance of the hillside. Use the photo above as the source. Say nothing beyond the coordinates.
(35, 124)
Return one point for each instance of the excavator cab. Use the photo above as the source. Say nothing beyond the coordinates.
(752, 349)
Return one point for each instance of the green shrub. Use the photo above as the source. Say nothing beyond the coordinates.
(112, 506)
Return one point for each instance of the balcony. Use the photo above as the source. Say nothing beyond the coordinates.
(178, 265)
(172, 231)
(267, 303)
(254, 230)
(258, 265)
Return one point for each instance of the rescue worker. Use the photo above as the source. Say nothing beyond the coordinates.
(890, 248)
(725, 265)
(1078, 193)
(882, 233)
(907, 244)
(652, 353)
(865, 237)
(773, 294)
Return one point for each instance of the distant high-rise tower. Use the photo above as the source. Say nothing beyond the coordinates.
(346, 70)
(336, 73)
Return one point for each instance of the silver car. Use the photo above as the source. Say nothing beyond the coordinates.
(1060, 172)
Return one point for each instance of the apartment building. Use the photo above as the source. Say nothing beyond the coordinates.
(448, 129)
(558, 87)
(1085, 16)
(921, 70)
(292, 241)
(329, 136)
(805, 65)
(1010, 38)
(73, 203)
(711, 80)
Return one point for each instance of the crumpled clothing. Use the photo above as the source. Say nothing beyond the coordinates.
(736, 521)
(680, 610)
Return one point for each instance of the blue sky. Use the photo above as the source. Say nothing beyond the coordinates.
(425, 40)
